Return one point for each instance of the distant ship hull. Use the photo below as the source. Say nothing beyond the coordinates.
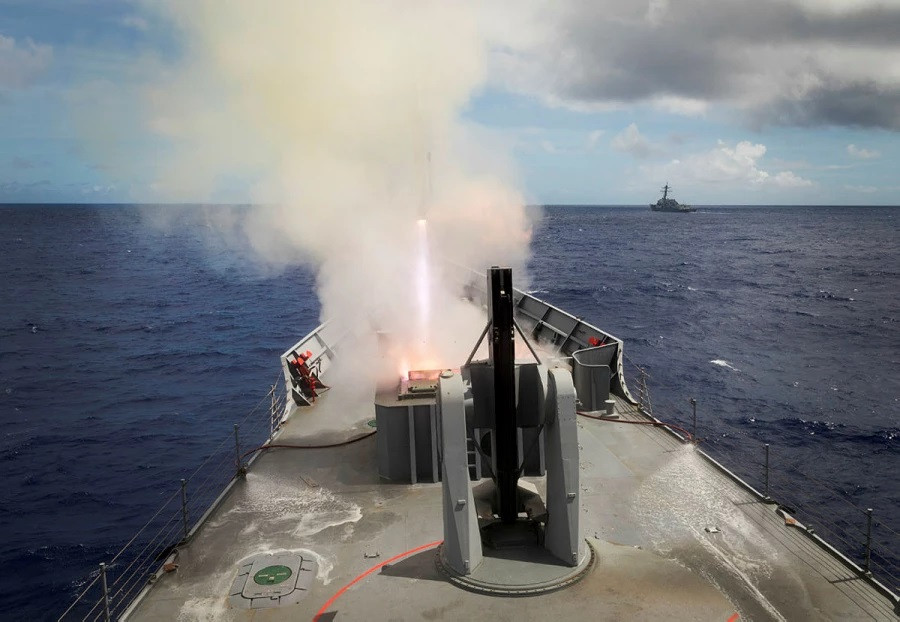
(678, 207)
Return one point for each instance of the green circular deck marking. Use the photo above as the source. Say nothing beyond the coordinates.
(372, 423)
(271, 575)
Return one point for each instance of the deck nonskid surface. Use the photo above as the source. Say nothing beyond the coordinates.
(647, 502)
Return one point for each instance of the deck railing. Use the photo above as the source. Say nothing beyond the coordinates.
(152, 551)
(858, 533)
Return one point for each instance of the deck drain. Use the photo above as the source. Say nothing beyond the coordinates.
(272, 580)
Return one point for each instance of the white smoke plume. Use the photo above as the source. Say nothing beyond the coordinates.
(345, 117)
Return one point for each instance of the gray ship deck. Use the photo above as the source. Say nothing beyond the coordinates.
(647, 503)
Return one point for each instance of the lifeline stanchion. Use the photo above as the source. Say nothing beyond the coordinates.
(694, 429)
(184, 510)
(105, 592)
(868, 539)
(767, 472)
(272, 413)
(237, 451)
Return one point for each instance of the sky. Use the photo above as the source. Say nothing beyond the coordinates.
(593, 102)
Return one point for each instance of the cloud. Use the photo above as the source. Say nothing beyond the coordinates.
(97, 190)
(136, 22)
(16, 186)
(47, 191)
(685, 106)
(836, 100)
(21, 63)
(728, 164)
(862, 153)
(783, 62)
(656, 11)
(16, 191)
(593, 138)
(630, 140)
(548, 147)
(787, 179)
(21, 164)
(861, 189)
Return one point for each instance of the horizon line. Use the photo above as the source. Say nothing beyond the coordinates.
(547, 204)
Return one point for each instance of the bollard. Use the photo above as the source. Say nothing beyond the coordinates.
(767, 472)
(105, 592)
(237, 452)
(694, 429)
(184, 511)
(868, 539)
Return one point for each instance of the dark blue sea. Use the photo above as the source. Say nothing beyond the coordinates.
(128, 351)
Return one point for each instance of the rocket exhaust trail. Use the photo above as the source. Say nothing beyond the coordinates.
(423, 283)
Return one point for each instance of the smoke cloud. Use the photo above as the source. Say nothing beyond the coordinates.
(344, 117)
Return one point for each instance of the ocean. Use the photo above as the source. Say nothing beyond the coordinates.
(127, 353)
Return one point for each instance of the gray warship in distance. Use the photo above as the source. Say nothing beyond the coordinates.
(665, 204)
(505, 487)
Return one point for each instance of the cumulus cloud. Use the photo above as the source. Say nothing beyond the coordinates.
(787, 179)
(631, 141)
(792, 62)
(22, 62)
(731, 164)
(862, 153)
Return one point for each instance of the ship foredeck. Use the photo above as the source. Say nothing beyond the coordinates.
(673, 537)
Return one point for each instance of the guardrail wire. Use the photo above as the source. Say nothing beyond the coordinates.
(141, 560)
(873, 547)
